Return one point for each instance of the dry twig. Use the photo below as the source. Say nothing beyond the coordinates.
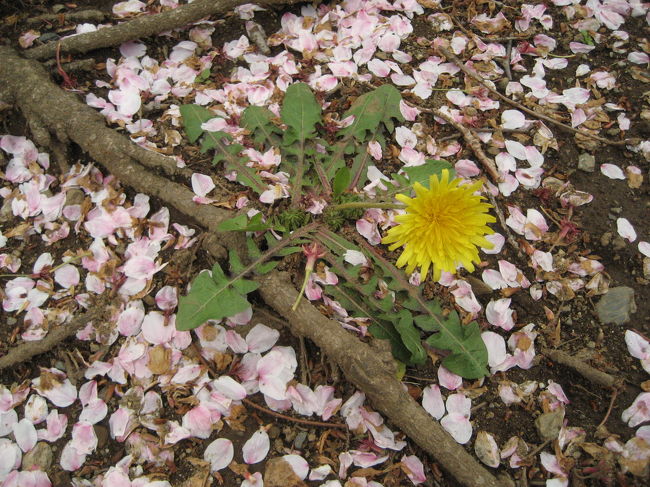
(471, 139)
(593, 375)
(452, 57)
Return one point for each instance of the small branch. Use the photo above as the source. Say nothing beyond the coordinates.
(587, 371)
(506, 64)
(78, 16)
(502, 221)
(452, 57)
(472, 140)
(306, 422)
(142, 26)
(27, 350)
(609, 409)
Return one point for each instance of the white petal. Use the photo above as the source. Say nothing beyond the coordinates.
(257, 447)
(625, 229)
(612, 171)
(219, 453)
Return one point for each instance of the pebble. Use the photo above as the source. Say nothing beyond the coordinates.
(618, 243)
(606, 239)
(586, 162)
(646, 267)
(616, 306)
(548, 424)
(40, 456)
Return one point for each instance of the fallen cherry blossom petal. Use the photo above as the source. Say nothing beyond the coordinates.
(219, 453)
(256, 447)
(612, 171)
(414, 469)
(625, 229)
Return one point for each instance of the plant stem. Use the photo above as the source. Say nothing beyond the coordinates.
(369, 204)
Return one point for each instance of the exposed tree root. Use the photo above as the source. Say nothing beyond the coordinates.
(27, 350)
(453, 58)
(369, 367)
(587, 371)
(69, 120)
(142, 26)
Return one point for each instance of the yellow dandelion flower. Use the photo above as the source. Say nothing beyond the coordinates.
(442, 227)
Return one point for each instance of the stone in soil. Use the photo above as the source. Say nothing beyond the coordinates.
(616, 306)
(586, 162)
(39, 457)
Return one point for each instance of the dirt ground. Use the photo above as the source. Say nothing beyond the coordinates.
(571, 325)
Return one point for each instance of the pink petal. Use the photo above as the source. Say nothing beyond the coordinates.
(496, 347)
(25, 434)
(448, 379)
(71, 459)
(202, 184)
(229, 387)
(198, 421)
(379, 68)
(167, 298)
(516, 149)
(67, 276)
(466, 168)
(219, 453)
(257, 447)
(415, 469)
(432, 401)
(512, 119)
(458, 426)
(612, 171)
(637, 346)
(498, 313)
(155, 330)
(625, 229)
(261, 338)
(644, 248)
(84, 439)
(298, 464)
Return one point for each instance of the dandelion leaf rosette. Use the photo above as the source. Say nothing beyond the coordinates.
(213, 296)
(222, 144)
(468, 355)
(193, 116)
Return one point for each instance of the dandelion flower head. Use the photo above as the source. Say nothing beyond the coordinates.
(442, 228)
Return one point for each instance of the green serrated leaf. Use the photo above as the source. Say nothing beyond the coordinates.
(468, 357)
(421, 174)
(341, 181)
(242, 223)
(259, 121)
(212, 297)
(202, 76)
(371, 109)
(410, 337)
(301, 112)
(193, 116)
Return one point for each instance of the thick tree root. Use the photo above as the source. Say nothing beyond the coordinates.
(27, 350)
(142, 26)
(369, 367)
(70, 120)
